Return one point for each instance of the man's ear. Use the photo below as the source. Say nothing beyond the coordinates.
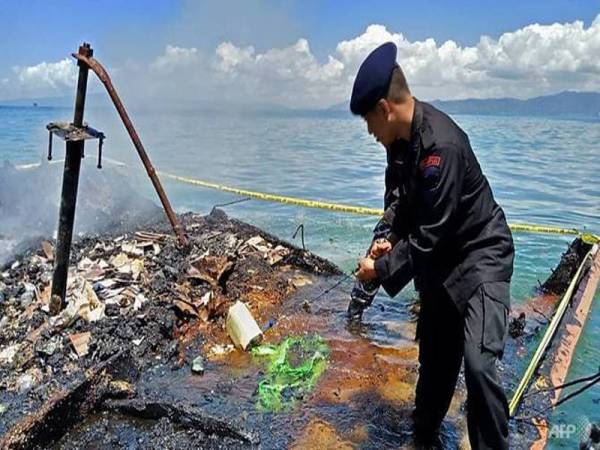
(384, 108)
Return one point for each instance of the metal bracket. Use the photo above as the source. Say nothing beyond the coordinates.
(70, 133)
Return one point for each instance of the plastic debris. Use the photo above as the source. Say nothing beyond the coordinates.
(293, 368)
(241, 326)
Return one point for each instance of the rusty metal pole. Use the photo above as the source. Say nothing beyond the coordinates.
(68, 197)
(99, 70)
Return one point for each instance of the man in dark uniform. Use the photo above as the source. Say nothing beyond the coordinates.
(451, 237)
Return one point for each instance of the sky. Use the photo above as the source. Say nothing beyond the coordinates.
(300, 53)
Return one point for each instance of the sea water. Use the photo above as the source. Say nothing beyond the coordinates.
(542, 170)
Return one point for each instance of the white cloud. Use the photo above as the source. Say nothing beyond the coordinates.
(231, 56)
(534, 60)
(290, 75)
(175, 58)
(47, 77)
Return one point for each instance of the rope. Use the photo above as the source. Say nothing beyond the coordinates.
(360, 210)
(276, 198)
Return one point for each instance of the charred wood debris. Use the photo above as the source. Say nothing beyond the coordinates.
(137, 294)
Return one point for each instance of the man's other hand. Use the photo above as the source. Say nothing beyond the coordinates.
(379, 248)
(366, 269)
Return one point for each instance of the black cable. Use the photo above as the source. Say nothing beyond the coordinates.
(328, 290)
(245, 199)
(301, 229)
(593, 379)
(574, 393)
(570, 383)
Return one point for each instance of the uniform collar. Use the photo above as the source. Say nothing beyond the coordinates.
(421, 126)
(417, 122)
(416, 127)
(421, 136)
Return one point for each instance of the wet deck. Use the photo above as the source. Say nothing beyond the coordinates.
(364, 398)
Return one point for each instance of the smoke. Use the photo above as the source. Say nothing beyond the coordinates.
(30, 199)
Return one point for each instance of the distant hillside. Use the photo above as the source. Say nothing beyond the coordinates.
(571, 104)
(564, 104)
(579, 104)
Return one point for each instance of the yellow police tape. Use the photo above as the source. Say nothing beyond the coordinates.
(518, 227)
(552, 327)
(277, 198)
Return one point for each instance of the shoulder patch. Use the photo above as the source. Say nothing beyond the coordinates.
(430, 161)
(430, 168)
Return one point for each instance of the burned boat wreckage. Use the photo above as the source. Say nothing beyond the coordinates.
(141, 356)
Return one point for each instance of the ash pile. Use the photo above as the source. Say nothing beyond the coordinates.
(135, 293)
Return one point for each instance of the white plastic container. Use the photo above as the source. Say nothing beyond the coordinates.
(241, 326)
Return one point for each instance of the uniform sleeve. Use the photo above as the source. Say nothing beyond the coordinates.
(441, 174)
(394, 269)
(395, 209)
(391, 218)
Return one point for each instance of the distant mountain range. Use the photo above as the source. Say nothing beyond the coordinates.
(564, 104)
(583, 104)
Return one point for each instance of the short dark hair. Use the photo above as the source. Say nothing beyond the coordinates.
(398, 90)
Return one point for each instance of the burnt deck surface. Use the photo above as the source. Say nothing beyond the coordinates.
(135, 389)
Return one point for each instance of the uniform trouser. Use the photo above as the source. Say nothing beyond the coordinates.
(445, 337)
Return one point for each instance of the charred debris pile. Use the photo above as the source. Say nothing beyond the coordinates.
(137, 294)
(137, 301)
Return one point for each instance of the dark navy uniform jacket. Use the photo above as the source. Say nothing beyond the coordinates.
(450, 232)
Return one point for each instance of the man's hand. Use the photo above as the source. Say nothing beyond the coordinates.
(366, 269)
(379, 248)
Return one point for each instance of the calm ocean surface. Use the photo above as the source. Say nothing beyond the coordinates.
(541, 170)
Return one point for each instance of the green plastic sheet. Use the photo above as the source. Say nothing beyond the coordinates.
(292, 370)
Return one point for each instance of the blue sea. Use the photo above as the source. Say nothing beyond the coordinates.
(542, 170)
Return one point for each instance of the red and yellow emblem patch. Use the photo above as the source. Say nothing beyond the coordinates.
(430, 161)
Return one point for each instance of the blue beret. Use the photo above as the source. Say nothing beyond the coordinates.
(373, 78)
